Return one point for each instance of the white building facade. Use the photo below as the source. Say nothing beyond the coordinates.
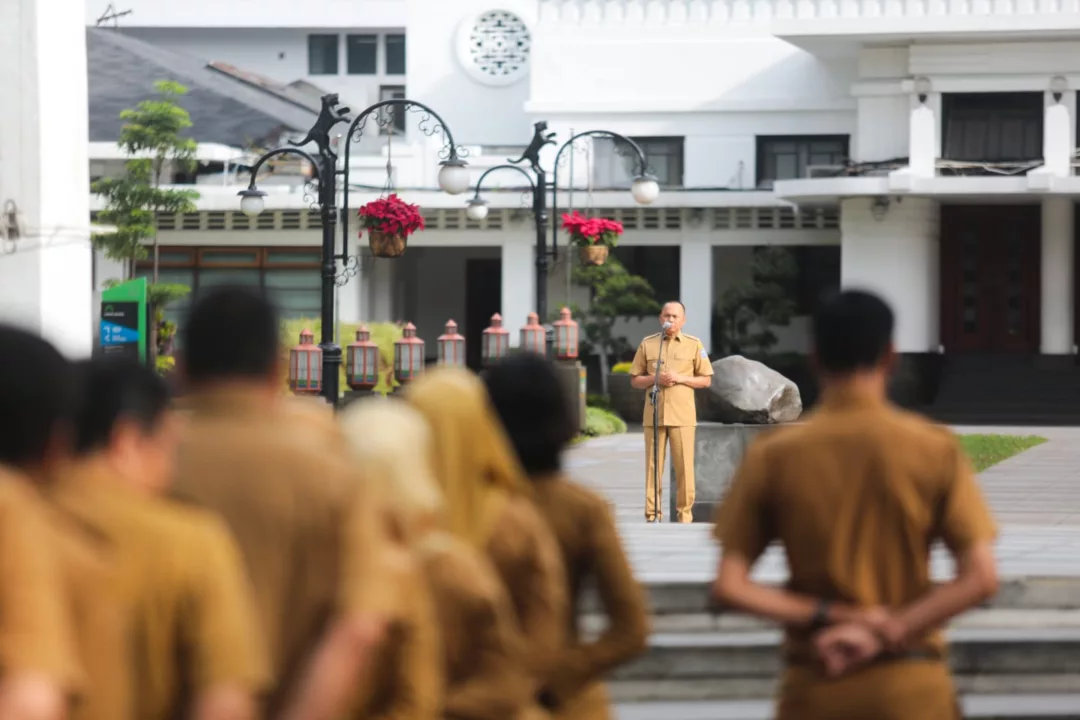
(920, 148)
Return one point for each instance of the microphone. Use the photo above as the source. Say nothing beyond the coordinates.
(666, 326)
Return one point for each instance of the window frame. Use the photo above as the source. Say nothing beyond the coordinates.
(337, 54)
(349, 41)
(386, 54)
(618, 155)
(762, 141)
(399, 112)
(995, 115)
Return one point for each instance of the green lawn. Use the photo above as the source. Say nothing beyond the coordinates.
(988, 450)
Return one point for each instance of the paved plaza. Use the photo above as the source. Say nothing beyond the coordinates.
(1035, 495)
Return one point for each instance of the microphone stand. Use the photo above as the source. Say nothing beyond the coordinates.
(655, 397)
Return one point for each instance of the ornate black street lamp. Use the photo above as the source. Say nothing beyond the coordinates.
(453, 179)
(645, 189)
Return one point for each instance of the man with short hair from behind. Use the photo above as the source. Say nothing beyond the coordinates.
(38, 671)
(279, 482)
(194, 648)
(857, 494)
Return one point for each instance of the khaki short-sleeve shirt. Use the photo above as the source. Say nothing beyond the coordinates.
(683, 354)
(856, 495)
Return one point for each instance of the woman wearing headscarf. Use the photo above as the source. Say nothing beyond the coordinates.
(533, 407)
(483, 667)
(489, 506)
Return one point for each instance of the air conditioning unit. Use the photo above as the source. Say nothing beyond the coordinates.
(824, 171)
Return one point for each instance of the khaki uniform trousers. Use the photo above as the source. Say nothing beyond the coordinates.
(682, 459)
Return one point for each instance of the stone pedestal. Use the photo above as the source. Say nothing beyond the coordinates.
(573, 377)
(718, 450)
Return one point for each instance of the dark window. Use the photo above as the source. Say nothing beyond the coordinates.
(659, 264)
(362, 53)
(322, 54)
(394, 114)
(617, 163)
(788, 157)
(290, 275)
(395, 54)
(818, 276)
(992, 127)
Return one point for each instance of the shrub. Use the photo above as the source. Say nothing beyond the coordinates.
(598, 401)
(382, 334)
(622, 368)
(599, 422)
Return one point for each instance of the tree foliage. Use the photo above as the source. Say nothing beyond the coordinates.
(615, 293)
(749, 310)
(151, 136)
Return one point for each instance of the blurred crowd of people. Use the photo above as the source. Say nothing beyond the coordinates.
(239, 553)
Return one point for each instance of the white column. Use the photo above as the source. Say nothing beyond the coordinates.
(1057, 276)
(896, 257)
(695, 288)
(518, 284)
(46, 283)
(922, 135)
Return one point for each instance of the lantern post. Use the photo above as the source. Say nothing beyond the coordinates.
(495, 343)
(451, 346)
(361, 366)
(305, 366)
(408, 357)
(534, 336)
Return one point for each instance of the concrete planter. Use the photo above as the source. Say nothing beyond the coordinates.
(628, 403)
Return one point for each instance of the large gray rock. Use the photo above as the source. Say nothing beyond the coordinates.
(748, 392)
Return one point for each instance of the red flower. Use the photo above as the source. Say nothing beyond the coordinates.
(592, 231)
(391, 215)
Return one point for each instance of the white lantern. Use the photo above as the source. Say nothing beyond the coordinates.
(454, 176)
(645, 189)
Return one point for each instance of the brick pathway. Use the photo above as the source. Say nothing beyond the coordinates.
(1036, 496)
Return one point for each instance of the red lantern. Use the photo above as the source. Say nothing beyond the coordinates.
(451, 346)
(362, 362)
(305, 366)
(566, 336)
(408, 355)
(533, 336)
(496, 341)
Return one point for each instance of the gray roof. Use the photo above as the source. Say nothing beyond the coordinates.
(227, 105)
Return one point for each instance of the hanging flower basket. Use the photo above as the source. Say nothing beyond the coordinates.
(593, 236)
(389, 222)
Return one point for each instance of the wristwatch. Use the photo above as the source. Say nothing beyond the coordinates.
(820, 620)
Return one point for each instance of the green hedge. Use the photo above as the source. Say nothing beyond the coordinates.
(383, 334)
(599, 422)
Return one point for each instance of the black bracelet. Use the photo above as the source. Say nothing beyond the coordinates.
(820, 620)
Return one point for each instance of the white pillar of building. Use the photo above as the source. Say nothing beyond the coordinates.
(923, 144)
(696, 288)
(518, 284)
(45, 259)
(1057, 276)
(894, 253)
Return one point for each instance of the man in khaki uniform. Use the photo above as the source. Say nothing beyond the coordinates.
(857, 494)
(281, 483)
(685, 367)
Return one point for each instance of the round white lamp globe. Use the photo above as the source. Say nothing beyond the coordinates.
(454, 176)
(251, 201)
(477, 209)
(645, 189)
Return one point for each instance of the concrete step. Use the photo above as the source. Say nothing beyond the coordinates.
(1021, 593)
(988, 706)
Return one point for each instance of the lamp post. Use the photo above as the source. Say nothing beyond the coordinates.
(453, 179)
(644, 189)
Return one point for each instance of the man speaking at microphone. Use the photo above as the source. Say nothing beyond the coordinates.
(683, 367)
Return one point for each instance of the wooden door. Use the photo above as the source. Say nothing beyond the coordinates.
(990, 278)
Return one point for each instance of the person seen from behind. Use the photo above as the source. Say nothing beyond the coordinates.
(284, 488)
(40, 677)
(533, 407)
(194, 650)
(489, 505)
(857, 494)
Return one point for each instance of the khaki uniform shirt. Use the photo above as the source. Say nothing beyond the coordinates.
(181, 580)
(683, 354)
(98, 616)
(36, 634)
(592, 551)
(286, 496)
(857, 494)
